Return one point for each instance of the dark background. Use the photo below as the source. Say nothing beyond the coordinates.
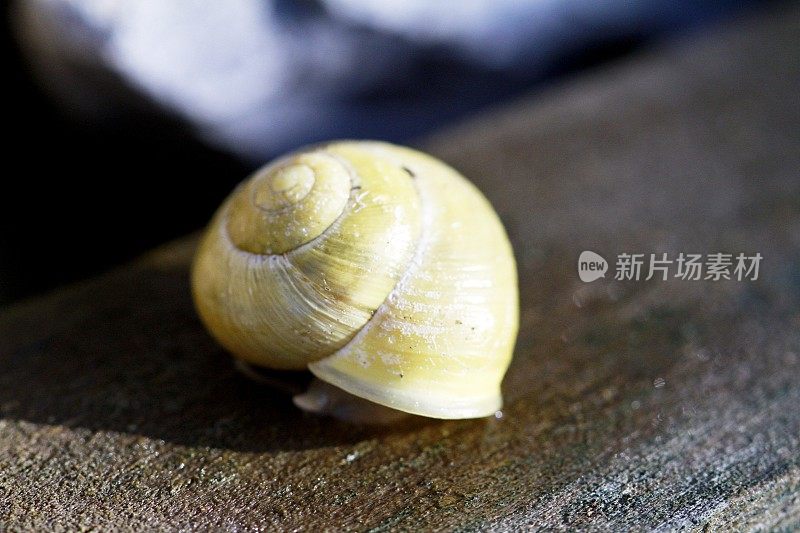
(82, 196)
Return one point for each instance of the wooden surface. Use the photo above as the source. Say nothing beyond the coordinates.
(644, 405)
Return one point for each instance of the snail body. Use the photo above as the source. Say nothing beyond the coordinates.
(379, 268)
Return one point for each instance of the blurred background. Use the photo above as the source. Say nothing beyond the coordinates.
(131, 120)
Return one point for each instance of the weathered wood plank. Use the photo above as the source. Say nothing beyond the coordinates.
(629, 404)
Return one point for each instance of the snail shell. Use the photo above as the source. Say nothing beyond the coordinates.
(379, 268)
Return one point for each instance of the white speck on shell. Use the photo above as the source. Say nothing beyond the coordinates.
(390, 359)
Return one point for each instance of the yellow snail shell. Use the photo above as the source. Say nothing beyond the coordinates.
(379, 268)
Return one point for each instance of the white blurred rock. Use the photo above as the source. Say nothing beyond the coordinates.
(257, 76)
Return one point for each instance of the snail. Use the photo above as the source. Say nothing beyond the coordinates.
(378, 268)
